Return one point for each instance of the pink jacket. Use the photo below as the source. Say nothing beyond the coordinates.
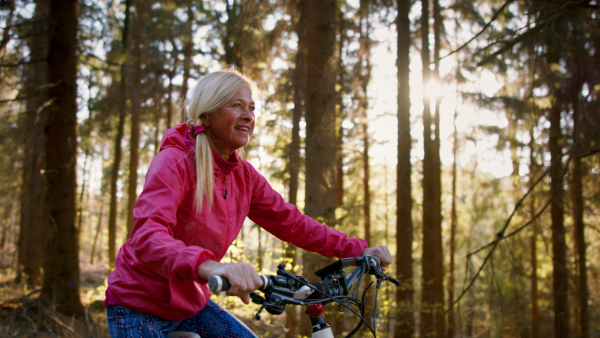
(155, 270)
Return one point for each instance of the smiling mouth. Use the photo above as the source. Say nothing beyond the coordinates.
(243, 128)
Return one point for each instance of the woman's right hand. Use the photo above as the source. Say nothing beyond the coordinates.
(242, 276)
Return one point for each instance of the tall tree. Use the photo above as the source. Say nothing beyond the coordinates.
(577, 213)
(451, 327)
(533, 172)
(429, 231)
(560, 281)
(32, 235)
(299, 85)
(405, 322)
(112, 216)
(440, 328)
(61, 265)
(136, 99)
(320, 118)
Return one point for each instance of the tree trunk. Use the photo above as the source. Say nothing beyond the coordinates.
(535, 312)
(560, 272)
(33, 231)
(187, 56)
(98, 228)
(429, 229)
(451, 321)
(112, 214)
(405, 322)
(294, 164)
(136, 98)
(320, 121)
(578, 224)
(61, 265)
(440, 323)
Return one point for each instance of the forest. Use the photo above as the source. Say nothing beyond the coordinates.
(463, 135)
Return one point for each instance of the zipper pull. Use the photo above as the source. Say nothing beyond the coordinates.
(225, 195)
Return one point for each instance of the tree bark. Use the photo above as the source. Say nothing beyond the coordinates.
(428, 256)
(136, 98)
(405, 320)
(33, 232)
(112, 214)
(451, 320)
(294, 164)
(320, 121)
(535, 312)
(578, 223)
(61, 265)
(440, 323)
(559, 247)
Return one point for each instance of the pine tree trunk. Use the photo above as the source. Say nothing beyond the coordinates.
(440, 323)
(451, 321)
(33, 232)
(559, 247)
(112, 214)
(405, 320)
(294, 164)
(320, 122)
(535, 312)
(578, 225)
(61, 265)
(428, 255)
(187, 57)
(136, 106)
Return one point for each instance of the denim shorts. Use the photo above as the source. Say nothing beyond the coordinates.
(212, 321)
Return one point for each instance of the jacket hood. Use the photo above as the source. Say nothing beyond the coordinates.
(179, 137)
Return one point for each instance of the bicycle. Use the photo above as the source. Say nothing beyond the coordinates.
(286, 289)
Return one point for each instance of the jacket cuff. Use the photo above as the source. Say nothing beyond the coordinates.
(198, 263)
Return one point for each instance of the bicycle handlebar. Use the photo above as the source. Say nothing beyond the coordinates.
(285, 288)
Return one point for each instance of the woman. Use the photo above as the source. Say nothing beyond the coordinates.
(197, 194)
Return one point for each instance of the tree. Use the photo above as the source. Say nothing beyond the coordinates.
(429, 228)
(320, 118)
(405, 322)
(33, 234)
(61, 265)
(112, 216)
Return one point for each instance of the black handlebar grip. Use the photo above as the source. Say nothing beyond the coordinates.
(218, 283)
(376, 260)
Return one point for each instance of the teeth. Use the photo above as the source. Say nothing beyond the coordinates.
(243, 128)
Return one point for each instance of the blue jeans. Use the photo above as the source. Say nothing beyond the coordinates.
(212, 321)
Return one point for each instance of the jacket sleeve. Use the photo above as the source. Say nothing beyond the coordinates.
(155, 215)
(269, 210)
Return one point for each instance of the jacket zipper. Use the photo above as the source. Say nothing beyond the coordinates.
(225, 194)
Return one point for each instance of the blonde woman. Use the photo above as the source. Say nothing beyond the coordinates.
(197, 194)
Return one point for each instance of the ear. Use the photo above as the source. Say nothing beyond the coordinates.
(205, 120)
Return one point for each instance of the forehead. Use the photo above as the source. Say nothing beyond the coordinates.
(244, 94)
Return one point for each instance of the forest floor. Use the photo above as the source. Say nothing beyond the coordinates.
(23, 315)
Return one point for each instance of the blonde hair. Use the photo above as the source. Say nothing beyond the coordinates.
(210, 93)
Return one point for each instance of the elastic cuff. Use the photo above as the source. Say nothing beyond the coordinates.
(200, 261)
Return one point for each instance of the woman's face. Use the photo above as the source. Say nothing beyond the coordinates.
(231, 126)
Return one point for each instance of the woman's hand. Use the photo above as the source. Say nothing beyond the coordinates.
(381, 252)
(242, 277)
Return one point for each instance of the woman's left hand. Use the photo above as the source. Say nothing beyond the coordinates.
(381, 252)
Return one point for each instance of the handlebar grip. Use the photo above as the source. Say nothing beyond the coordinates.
(218, 283)
(375, 261)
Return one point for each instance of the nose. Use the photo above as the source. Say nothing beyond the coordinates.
(247, 116)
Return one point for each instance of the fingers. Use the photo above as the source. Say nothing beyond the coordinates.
(243, 279)
(382, 252)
